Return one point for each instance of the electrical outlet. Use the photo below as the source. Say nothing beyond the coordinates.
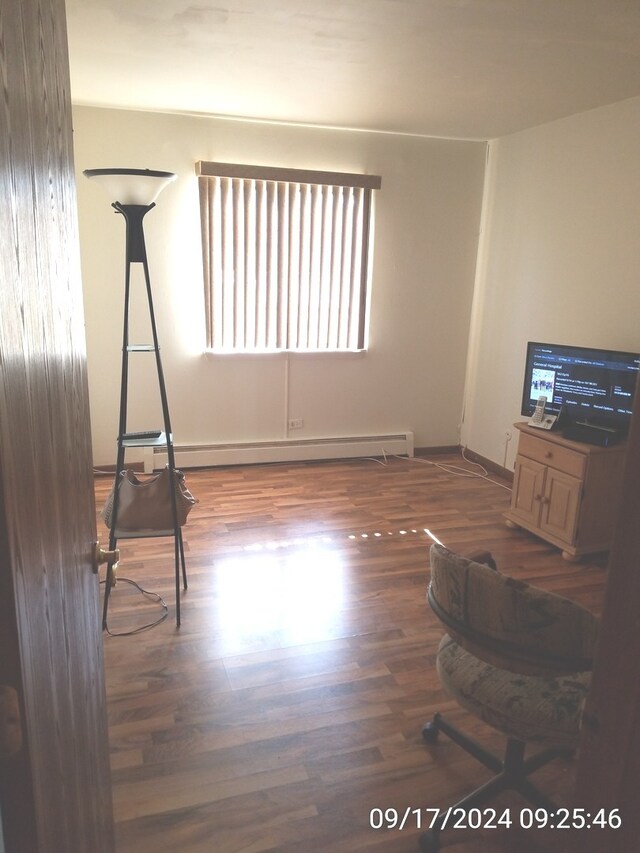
(295, 423)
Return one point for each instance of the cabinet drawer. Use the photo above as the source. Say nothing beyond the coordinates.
(561, 458)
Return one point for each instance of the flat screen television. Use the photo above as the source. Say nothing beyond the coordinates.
(588, 386)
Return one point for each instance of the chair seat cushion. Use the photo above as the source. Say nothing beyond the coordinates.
(531, 708)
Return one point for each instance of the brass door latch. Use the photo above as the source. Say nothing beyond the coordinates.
(100, 556)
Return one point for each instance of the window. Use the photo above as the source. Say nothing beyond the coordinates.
(285, 257)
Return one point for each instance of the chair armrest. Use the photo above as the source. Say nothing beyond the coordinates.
(485, 558)
(510, 619)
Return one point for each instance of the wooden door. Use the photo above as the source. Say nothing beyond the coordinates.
(55, 794)
(608, 777)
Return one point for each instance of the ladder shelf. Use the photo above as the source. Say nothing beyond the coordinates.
(152, 438)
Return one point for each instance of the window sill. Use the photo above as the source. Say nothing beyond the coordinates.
(284, 354)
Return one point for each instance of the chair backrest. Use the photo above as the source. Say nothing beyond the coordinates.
(507, 622)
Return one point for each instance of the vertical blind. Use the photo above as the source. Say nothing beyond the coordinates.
(285, 257)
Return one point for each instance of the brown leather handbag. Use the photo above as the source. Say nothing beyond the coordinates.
(146, 504)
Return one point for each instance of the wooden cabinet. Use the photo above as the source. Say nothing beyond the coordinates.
(565, 491)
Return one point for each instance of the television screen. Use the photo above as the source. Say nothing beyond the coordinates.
(591, 386)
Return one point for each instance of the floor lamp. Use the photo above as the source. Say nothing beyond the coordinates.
(135, 192)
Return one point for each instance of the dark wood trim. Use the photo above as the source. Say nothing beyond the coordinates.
(436, 451)
(493, 467)
(206, 169)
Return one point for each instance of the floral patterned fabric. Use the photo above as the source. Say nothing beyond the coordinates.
(510, 616)
(530, 708)
(516, 656)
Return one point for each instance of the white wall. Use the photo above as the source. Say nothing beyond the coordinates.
(426, 228)
(559, 258)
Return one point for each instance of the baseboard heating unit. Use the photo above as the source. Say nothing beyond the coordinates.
(284, 450)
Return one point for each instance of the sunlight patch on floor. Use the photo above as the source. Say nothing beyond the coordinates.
(295, 589)
(291, 591)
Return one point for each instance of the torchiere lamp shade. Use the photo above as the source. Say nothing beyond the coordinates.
(131, 186)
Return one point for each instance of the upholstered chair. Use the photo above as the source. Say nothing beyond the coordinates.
(517, 657)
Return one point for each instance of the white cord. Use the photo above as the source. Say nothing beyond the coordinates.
(506, 449)
(456, 470)
(375, 459)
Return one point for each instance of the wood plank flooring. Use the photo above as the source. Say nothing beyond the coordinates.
(289, 704)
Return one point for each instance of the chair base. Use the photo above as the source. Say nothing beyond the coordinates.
(510, 774)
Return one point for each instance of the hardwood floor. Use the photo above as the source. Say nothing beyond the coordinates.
(289, 704)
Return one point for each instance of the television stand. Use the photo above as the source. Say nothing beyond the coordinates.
(566, 492)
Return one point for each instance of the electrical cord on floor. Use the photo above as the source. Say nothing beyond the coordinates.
(456, 470)
(154, 597)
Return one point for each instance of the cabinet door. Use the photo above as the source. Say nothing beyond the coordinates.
(560, 505)
(528, 485)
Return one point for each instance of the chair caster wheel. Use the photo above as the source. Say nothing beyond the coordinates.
(429, 842)
(430, 733)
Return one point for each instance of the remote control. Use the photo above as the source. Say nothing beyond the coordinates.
(153, 433)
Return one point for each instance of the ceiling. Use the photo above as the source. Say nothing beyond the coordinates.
(469, 69)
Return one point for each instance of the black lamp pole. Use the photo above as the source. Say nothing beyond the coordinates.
(139, 185)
